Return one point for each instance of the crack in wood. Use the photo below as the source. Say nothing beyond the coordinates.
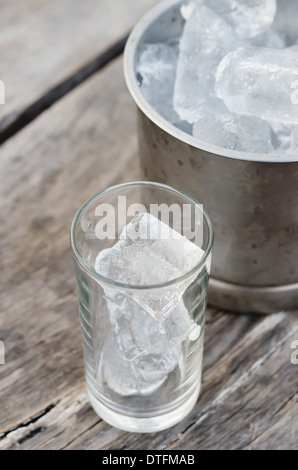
(19, 121)
(29, 421)
(31, 434)
(285, 404)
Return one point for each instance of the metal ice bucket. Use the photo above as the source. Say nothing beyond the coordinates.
(252, 199)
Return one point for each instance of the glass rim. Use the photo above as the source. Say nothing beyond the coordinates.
(98, 277)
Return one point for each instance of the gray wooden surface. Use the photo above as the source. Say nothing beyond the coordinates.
(43, 43)
(84, 142)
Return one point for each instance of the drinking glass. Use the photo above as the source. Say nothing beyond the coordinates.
(142, 341)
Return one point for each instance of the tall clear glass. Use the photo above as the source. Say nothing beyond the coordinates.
(142, 341)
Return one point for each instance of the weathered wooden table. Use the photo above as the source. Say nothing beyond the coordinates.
(68, 130)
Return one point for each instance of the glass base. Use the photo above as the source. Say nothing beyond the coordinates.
(144, 425)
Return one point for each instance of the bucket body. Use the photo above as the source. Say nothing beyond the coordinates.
(252, 199)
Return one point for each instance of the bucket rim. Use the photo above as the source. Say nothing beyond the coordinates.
(130, 54)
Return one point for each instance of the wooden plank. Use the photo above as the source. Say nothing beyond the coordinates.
(286, 424)
(51, 431)
(92, 433)
(63, 424)
(255, 405)
(84, 143)
(57, 428)
(43, 43)
(244, 392)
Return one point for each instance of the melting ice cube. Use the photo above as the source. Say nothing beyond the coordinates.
(140, 334)
(156, 71)
(206, 39)
(147, 350)
(148, 328)
(150, 253)
(269, 38)
(247, 17)
(281, 137)
(231, 131)
(121, 375)
(294, 141)
(260, 82)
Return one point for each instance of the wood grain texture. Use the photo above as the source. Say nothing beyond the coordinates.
(46, 173)
(42, 43)
(82, 144)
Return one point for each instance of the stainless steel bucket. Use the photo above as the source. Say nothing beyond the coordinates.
(252, 199)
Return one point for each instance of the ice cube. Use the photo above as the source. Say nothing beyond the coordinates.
(286, 20)
(150, 253)
(294, 139)
(158, 346)
(147, 328)
(187, 9)
(179, 326)
(293, 148)
(206, 39)
(156, 366)
(260, 82)
(281, 135)
(137, 331)
(139, 334)
(268, 38)
(156, 71)
(244, 133)
(247, 17)
(120, 375)
(145, 351)
(212, 106)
